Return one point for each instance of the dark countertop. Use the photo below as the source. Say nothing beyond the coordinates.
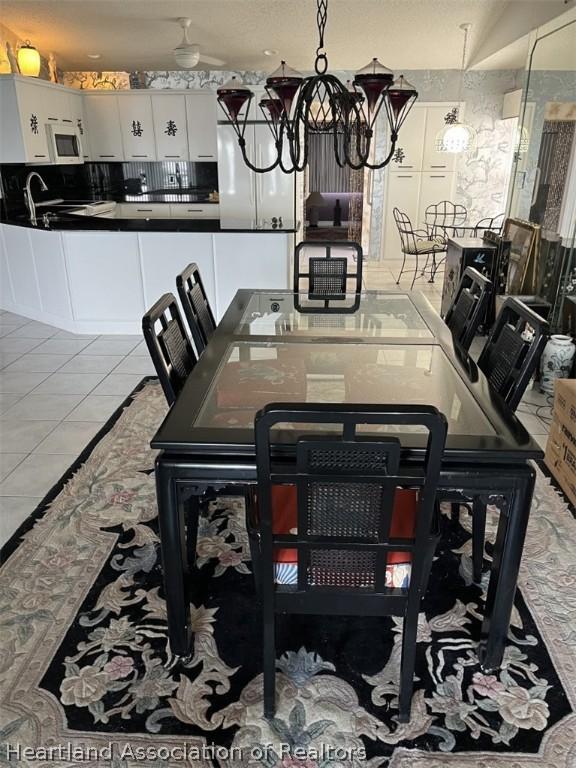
(68, 222)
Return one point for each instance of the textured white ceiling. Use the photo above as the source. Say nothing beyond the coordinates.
(140, 34)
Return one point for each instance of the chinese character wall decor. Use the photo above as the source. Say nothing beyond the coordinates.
(80, 126)
(171, 128)
(399, 156)
(137, 128)
(450, 118)
(34, 124)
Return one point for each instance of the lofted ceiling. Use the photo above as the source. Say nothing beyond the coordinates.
(140, 34)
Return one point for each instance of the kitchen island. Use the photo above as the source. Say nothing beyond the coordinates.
(93, 276)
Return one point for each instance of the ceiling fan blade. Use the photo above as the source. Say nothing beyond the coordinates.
(211, 60)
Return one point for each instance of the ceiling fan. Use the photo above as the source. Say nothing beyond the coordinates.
(188, 54)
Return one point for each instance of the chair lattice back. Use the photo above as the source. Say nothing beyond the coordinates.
(444, 215)
(492, 223)
(346, 486)
(169, 346)
(196, 306)
(512, 351)
(328, 276)
(468, 307)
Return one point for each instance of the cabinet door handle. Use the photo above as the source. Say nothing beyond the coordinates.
(145, 210)
(138, 155)
(194, 210)
(174, 156)
(405, 177)
(205, 155)
(66, 120)
(106, 155)
(39, 155)
(437, 177)
(52, 118)
(438, 166)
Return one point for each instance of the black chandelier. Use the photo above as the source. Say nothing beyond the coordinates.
(298, 106)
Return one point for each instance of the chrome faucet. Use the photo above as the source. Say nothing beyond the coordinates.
(28, 199)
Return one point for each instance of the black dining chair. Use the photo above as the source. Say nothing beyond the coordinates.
(442, 219)
(468, 307)
(345, 529)
(196, 306)
(169, 345)
(328, 276)
(417, 243)
(509, 359)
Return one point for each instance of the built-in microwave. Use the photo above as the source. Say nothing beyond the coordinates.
(65, 146)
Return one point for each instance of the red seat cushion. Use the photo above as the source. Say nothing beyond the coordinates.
(285, 520)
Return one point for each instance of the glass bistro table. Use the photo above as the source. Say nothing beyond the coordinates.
(381, 347)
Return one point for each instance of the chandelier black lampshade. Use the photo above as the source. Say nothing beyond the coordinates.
(296, 106)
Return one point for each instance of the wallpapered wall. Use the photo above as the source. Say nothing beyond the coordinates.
(482, 177)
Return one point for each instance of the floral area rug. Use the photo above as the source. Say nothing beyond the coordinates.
(87, 677)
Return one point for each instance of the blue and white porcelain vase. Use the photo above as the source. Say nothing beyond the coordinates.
(556, 361)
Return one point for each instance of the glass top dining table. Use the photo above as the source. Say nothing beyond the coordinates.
(379, 347)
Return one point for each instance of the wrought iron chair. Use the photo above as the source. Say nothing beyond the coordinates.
(346, 529)
(169, 345)
(492, 223)
(442, 219)
(508, 359)
(196, 306)
(417, 243)
(468, 307)
(328, 276)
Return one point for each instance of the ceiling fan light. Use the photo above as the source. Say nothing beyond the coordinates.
(187, 56)
(456, 138)
(28, 60)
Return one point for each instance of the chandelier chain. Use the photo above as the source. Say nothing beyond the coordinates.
(321, 18)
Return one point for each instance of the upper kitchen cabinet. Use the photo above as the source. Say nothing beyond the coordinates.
(409, 150)
(201, 118)
(103, 122)
(23, 118)
(137, 126)
(76, 101)
(58, 106)
(434, 160)
(169, 114)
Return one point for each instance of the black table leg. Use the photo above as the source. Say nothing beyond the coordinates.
(505, 566)
(174, 558)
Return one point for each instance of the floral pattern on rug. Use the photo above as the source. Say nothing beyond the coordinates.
(84, 653)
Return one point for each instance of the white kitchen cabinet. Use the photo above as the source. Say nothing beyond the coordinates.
(58, 107)
(409, 151)
(50, 272)
(105, 278)
(434, 188)
(435, 122)
(20, 260)
(104, 131)
(169, 116)
(194, 211)
(24, 138)
(137, 127)
(245, 195)
(201, 120)
(142, 211)
(76, 101)
(165, 254)
(403, 192)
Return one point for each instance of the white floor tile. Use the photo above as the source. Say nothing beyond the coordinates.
(69, 335)
(532, 424)
(43, 407)
(61, 346)
(69, 384)
(92, 364)
(38, 363)
(7, 358)
(541, 440)
(36, 475)
(34, 330)
(118, 384)
(135, 337)
(9, 318)
(110, 347)
(13, 511)
(8, 462)
(12, 344)
(7, 401)
(16, 382)
(69, 437)
(96, 408)
(141, 349)
(141, 364)
(17, 436)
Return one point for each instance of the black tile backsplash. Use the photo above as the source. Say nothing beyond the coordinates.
(92, 181)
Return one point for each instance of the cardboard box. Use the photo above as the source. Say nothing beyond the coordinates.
(560, 456)
(564, 410)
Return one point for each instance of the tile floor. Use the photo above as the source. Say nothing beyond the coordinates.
(58, 389)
